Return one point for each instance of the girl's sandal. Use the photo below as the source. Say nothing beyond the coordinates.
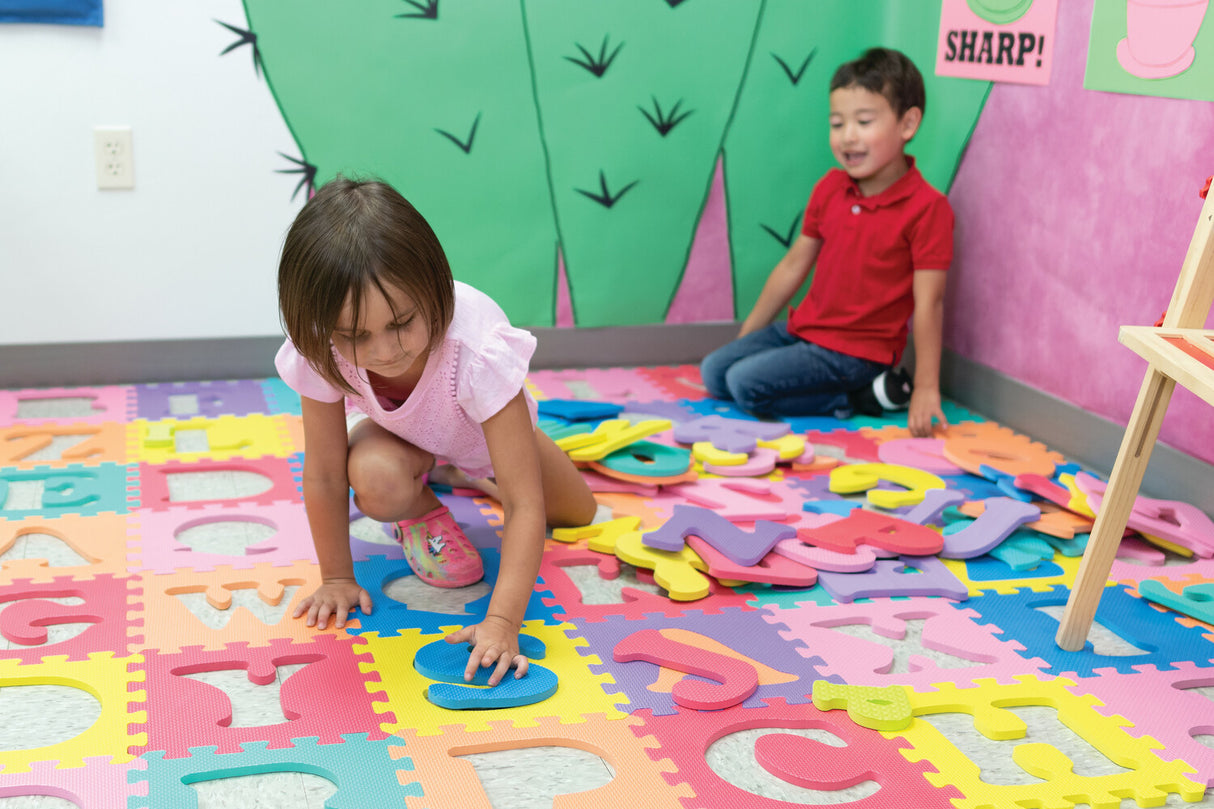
(438, 551)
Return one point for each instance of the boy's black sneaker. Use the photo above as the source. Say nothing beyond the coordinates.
(892, 389)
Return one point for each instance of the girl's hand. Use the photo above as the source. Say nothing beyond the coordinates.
(494, 643)
(924, 406)
(335, 597)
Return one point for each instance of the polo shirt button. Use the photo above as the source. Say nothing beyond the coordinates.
(855, 209)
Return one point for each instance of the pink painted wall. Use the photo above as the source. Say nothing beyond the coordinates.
(1074, 212)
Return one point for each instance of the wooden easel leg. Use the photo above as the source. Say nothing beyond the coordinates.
(1118, 500)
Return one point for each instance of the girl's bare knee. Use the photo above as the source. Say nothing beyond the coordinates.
(387, 484)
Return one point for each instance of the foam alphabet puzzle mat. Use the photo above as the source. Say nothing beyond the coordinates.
(764, 614)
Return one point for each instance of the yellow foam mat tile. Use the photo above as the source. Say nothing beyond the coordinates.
(1147, 778)
(578, 694)
(109, 680)
(252, 436)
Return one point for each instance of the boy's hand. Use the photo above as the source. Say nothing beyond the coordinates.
(494, 643)
(924, 406)
(335, 597)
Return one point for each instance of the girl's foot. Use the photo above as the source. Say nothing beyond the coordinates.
(448, 475)
(438, 551)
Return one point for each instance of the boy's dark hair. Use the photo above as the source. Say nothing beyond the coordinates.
(888, 72)
(351, 234)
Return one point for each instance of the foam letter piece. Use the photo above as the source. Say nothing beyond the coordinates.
(935, 501)
(888, 578)
(861, 477)
(1170, 520)
(678, 573)
(579, 409)
(649, 459)
(730, 435)
(791, 447)
(822, 559)
(744, 500)
(784, 755)
(601, 535)
(1196, 600)
(882, 531)
(25, 622)
(878, 708)
(761, 462)
(445, 662)
(706, 453)
(773, 568)
(1002, 516)
(615, 434)
(735, 679)
(920, 453)
(742, 547)
(1008, 453)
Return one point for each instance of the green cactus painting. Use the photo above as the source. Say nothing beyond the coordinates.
(587, 132)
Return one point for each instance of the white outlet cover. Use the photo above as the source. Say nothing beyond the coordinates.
(114, 157)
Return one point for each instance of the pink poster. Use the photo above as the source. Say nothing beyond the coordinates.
(997, 40)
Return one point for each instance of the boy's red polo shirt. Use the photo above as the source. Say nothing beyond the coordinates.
(861, 296)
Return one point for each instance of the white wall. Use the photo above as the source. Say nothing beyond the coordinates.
(191, 252)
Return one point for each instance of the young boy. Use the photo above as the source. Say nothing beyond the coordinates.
(882, 239)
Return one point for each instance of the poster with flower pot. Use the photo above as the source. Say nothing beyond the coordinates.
(1152, 47)
(997, 40)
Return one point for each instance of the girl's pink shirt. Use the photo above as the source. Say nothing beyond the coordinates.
(479, 367)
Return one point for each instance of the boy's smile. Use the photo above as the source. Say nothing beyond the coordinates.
(867, 137)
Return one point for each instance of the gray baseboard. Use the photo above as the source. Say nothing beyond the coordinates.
(1088, 439)
(139, 362)
(1082, 436)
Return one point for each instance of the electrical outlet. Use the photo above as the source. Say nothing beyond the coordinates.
(114, 157)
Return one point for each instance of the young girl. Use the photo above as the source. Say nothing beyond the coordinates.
(431, 370)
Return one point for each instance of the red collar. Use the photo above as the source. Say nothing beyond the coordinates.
(902, 188)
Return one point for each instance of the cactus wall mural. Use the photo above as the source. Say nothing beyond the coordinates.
(587, 133)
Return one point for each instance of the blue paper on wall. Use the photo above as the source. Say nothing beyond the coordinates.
(63, 12)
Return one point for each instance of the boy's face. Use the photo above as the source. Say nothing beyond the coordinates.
(867, 137)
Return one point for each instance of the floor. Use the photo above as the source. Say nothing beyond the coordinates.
(153, 543)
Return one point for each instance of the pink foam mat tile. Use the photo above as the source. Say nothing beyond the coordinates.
(27, 613)
(280, 481)
(1162, 705)
(99, 784)
(325, 699)
(683, 739)
(615, 385)
(677, 381)
(105, 403)
(946, 628)
(156, 542)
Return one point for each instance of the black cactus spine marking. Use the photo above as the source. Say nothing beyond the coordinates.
(426, 10)
(664, 122)
(784, 239)
(795, 76)
(466, 146)
(605, 197)
(246, 38)
(303, 168)
(596, 65)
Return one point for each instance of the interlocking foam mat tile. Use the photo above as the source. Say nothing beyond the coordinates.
(154, 543)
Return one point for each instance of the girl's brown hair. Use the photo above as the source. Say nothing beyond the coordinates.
(350, 234)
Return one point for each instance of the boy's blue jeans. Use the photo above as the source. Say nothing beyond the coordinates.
(772, 374)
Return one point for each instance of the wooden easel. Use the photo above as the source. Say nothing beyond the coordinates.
(1179, 352)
